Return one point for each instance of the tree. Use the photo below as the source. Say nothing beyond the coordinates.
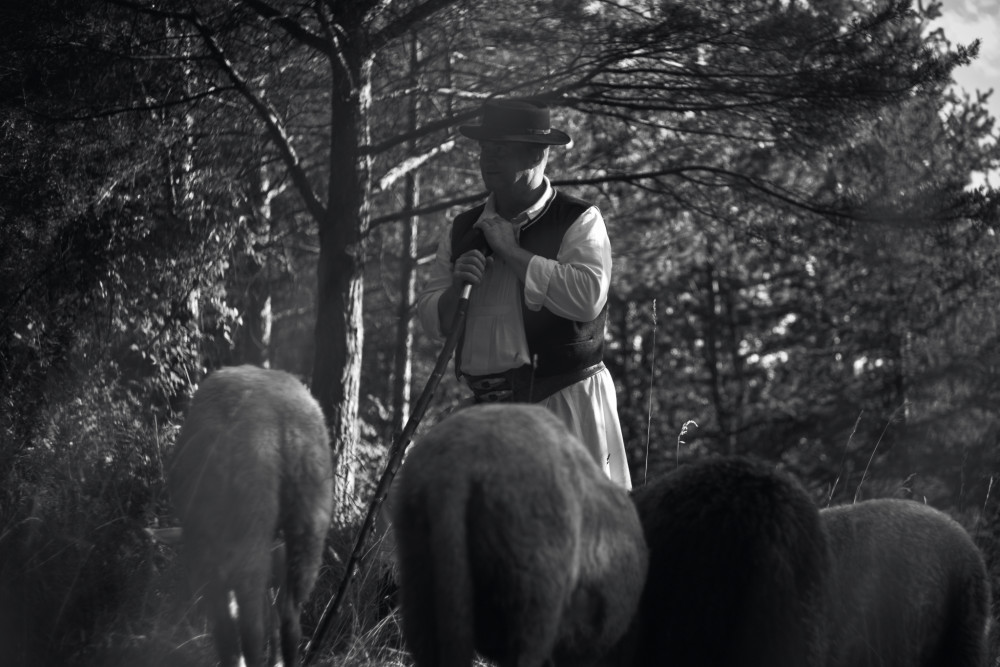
(790, 299)
(681, 71)
(761, 165)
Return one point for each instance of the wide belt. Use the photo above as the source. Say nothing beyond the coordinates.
(521, 385)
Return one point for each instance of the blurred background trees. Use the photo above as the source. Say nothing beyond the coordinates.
(804, 264)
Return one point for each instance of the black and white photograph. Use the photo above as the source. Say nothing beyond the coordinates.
(454, 333)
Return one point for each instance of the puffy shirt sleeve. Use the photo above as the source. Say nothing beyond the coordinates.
(438, 281)
(575, 284)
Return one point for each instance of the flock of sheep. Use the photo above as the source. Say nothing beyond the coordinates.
(513, 545)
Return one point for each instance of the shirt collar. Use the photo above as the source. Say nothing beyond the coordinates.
(533, 211)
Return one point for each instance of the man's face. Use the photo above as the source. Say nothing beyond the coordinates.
(505, 165)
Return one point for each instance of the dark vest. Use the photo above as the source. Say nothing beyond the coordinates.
(558, 344)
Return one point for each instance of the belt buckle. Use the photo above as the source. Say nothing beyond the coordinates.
(487, 384)
(491, 389)
(497, 396)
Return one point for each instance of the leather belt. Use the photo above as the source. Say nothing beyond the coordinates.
(521, 385)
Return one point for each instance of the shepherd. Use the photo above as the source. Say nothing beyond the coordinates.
(540, 263)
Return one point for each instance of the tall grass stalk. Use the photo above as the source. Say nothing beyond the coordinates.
(843, 459)
(864, 475)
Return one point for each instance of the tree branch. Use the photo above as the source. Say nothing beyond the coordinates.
(411, 164)
(291, 26)
(427, 210)
(429, 128)
(152, 11)
(272, 122)
(166, 104)
(554, 96)
(404, 24)
(635, 178)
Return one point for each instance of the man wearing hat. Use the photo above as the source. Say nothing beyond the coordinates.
(539, 261)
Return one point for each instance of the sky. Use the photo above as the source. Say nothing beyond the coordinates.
(963, 22)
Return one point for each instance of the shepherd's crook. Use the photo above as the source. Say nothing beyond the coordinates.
(392, 465)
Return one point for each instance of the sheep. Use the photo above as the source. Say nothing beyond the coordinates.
(512, 543)
(908, 588)
(252, 463)
(737, 564)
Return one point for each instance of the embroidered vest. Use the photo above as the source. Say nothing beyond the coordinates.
(558, 344)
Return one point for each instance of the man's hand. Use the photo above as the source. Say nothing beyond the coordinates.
(499, 234)
(469, 268)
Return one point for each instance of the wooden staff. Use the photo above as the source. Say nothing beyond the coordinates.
(396, 452)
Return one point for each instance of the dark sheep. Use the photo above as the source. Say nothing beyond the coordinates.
(737, 563)
(908, 588)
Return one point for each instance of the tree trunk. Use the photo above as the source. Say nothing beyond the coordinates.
(252, 343)
(716, 373)
(252, 340)
(403, 370)
(736, 386)
(339, 334)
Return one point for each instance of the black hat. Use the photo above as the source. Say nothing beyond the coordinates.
(515, 120)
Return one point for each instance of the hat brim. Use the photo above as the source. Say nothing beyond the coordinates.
(480, 133)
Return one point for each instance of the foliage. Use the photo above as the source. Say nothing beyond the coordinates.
(803, 267)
